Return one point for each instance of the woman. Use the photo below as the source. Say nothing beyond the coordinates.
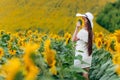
(83, 39)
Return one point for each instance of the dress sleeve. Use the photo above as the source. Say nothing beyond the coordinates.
(83, 35)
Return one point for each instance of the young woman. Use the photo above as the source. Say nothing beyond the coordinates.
(83, 39)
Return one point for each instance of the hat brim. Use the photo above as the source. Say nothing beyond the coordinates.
(78, 14)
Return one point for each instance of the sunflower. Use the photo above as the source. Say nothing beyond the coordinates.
(19, 34)
(31, 69)
(11, 68)
(29, 32)
(112, 40)
(54, 36)
(67, 37)
(49, 55)
(9, 33)
(106, 44)
(2, 32)
(36, 32)
(117, 47)
(1, 52)
(80, 19)
(31, 73)
(117, 34)
(22, 42)
(47, 45)
(53, 70)
(98, 42)
(116, 58)
(100, 35)
(12, 52)
(117, 69)
(29, 49)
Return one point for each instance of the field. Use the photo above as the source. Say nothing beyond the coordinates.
(54, 15)
(36, 41)
(32, 55)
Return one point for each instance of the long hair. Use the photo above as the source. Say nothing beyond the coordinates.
(90, 37)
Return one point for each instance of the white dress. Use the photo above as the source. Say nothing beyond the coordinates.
(81, 45)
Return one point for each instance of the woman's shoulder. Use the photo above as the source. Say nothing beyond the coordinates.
(83, 31)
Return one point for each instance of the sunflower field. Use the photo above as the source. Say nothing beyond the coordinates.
(106, 57)
(33, 55)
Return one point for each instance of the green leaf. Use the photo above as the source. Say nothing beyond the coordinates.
(19, 76)
(114, 77)
(76, 69)
(78, 57)
(5, 37)
(104, 77)
(2, 78)
(80, 51)
(102, 69)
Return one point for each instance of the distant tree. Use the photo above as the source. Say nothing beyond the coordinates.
(109, 17)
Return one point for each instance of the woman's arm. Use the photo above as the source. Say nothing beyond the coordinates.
(74, 37)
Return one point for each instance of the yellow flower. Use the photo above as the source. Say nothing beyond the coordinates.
(67, 40)
(12, 52)
(22, 42)
(98, 42)
(29, 32)
(53, 70)
(36, 32)
(31, 69)
(38, 40)
(106, 44)
(19, 34)
(117, 47)
(118, 69)
(31, 73)
(117, 34)
(9, 33)
(116, 58)
(47, 45)
(2, 32)
(55, 36)
(49, 56)
(29, 49)
(112, 44)
(100, 35)
(1, 52)
(11, 68)
(81, 21)
(67, 37)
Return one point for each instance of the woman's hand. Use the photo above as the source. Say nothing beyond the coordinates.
(78, 25)
(74, 37)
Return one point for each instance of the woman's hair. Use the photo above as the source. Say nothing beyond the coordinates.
(90, 37)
